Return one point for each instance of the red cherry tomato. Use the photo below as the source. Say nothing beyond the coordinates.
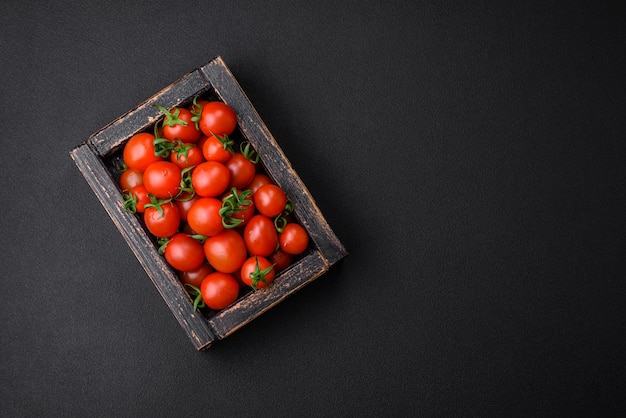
(162, 179)
(195, 277)
(281, 260)
(204, 216)
(185, 203)
(139, 151)
(241, 169)
(184, 253)
(257, 272)
(270, 200)
(164, 223)
(260, 236)
(178, 124)
(259, 180)
(225, 251)
(217, 118)
(188, 155)
(217, 149)
(245, 214)
(130, 178)
(294, 239)
(237, 207)
(196, 106)
(137, 198)
(219, 290)
(201, 141)
(210, 179)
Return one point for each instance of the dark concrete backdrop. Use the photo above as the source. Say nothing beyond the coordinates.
(470, 155)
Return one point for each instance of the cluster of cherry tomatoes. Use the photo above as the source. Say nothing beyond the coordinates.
(219, 220)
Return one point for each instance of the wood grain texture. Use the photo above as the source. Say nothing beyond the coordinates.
(274, 160)
(145, 115)
(94, 159)
(162, 276)
(254, 304)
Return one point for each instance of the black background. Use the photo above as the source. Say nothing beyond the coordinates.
(470, 155)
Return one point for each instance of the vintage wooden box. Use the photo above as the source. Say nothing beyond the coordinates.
(94, 156)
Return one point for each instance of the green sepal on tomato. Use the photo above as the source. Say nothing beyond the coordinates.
(186, 155)
(183, 252)
(196, 111)
(237, 208)
(202, 186)
(204, 216)
(217, 148)
(257, 272)
(178, 124)
(136, 199)
(162, 218)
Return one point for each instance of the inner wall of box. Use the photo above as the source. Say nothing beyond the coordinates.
(116, 152)
(114, 164)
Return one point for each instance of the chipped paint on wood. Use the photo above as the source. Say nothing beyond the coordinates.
(214, 80)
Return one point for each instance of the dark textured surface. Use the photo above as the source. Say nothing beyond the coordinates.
(469, 156)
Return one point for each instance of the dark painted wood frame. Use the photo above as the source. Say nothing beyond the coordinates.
(215, 78)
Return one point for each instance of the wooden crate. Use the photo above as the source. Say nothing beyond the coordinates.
(94, 159)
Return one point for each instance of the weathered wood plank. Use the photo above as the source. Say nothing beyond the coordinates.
(255, 303)
(274, 160)
(143, 117)
(213, 81)
(163, 278)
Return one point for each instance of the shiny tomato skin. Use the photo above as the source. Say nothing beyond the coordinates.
(213, 150)
(281, 260)
(139, 151)
(196, 108)
(260, 236)
(194, 157)
(259, 180)
(130, 178)
(225, 251)
(184, 253)
(245, 213)
(219, 290)
(217, 118)
(204, 218)
(195, 277)
(242, 171)
(162, 179)
(210, 179)
(294, 239)
(184, 204)
(162, 225)
(140, 194)
(270, 200)
(250, 266)
(201, 141)
(185, 131)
